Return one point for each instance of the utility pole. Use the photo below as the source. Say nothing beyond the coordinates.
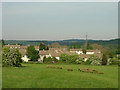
(85, 45)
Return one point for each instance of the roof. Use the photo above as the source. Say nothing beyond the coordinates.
(75, 49)
(36, 47)
(11, 46)
(44, 52)
(22, 51)
(56, 52)
(23, 47)
(88, 55)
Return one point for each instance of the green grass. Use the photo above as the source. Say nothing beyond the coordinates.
(38, 76)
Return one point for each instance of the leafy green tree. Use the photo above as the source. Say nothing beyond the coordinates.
(11, 57)
(32, 54)
(104, 59)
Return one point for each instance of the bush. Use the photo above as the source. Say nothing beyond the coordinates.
(79, 61)
(11, 57)
(114, 61)
(50, 60)
(70, 59)
(93, 60)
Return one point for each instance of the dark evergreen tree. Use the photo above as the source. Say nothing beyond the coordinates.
(42, 46)
(32, 54)
(89, 46)
(104, 59)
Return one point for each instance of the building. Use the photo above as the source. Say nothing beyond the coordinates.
(78, 51)
(55, 52)
(88, 53)
(24, 56)
(52, 52)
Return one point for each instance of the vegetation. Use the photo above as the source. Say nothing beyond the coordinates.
(84, 51)
(75, 46)
(50, 60)
(3, 43)
(89, 46)
(32, 54)
(71, 59)
(11, 57)
(38, 76)
(104, 59)
(42, 46)
(93, 60)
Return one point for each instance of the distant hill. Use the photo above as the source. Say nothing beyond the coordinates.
(62, 42)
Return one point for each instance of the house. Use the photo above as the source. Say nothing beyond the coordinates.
(12, 46)
(24, 56)
(88, 53)
(78, 51)
(43, 53)
(52, 52)
(55, 52)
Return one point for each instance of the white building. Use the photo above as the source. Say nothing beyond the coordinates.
(78, 51)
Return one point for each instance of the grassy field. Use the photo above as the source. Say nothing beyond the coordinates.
(38, 76)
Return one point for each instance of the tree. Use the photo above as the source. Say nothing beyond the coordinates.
(84, 51)
(104, 59)
(89, 46)
(3, 43)
(42, 46)
(32, 54)
(11, 57)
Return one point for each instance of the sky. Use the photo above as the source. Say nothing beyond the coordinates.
(59, 20)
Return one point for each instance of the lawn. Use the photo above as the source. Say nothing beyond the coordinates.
(38, 76)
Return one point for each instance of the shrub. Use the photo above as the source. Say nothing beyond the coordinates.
(50, 60)
(71, 58)
(11, 57)
(93, 60)
(114, 61)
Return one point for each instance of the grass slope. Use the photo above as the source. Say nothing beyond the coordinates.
(38, 76)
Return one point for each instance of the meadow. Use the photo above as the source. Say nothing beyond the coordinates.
(38, 76)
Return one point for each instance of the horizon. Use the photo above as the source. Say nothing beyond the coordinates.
(59, 40)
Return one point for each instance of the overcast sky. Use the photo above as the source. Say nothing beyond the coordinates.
(58, 21)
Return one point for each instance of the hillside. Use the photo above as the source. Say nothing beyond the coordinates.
(62, 42)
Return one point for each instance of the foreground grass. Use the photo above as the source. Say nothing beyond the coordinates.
(38, 76)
